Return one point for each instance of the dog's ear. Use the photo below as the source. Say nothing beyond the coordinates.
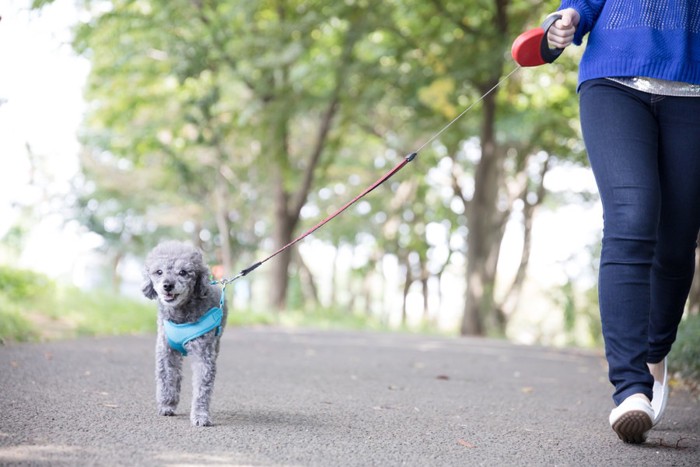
(201, 286)
(147, 287)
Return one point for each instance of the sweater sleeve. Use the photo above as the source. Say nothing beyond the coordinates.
(588, 10)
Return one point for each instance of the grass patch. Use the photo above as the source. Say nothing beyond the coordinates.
(72, 313)
(33, 307)
(326, 318)
(685, 356)
(104, 313)
(13, 325)
(319, 318)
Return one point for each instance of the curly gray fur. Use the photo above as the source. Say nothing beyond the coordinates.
(175, 275)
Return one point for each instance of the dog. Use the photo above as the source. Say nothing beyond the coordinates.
(191, 318)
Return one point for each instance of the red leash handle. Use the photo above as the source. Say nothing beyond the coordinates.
(531, 47)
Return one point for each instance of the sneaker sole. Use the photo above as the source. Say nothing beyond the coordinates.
(632, 427)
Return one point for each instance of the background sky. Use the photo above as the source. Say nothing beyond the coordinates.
(41, 85)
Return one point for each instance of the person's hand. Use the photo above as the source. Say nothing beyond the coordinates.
(561, 34)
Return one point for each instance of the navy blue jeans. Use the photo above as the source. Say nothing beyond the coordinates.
(645, 153)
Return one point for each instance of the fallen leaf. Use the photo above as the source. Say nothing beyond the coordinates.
(527, 390)
(383, 407)
(466, 444)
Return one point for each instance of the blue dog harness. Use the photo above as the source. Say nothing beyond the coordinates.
(180, 334)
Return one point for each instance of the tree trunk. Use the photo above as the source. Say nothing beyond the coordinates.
(308, 284)
(367, 283)
(408, 280)
(485, 222)
(485, 229)
(288, 210)
(511, 299)
(222, 224)
(116, 278)
(288, 204)
(282, 235)
(424, 277)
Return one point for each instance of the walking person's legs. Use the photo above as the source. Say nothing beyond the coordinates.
(644, 153)
(621, 137)
(674, 260)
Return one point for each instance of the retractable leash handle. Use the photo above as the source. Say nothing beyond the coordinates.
(531, 47)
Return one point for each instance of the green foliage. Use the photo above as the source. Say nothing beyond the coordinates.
(33, 307)
(21, 293)
(104, 313)
(13, 325)
(238, 317)
(41, 3)
(18, 285)
(685, 356)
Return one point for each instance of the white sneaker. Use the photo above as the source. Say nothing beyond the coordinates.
(632, 419)
(658, 403)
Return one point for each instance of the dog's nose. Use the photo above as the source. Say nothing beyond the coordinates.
(168, 287)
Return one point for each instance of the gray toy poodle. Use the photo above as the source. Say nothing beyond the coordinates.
(191, 318)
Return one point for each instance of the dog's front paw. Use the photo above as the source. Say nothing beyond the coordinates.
(166, 411)
(200, 420)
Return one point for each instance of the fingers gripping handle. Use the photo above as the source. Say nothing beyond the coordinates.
(548, 54)
(531, 47)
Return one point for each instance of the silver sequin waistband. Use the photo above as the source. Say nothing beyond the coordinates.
(660, 87)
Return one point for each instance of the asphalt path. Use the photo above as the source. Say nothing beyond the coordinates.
(328, 398)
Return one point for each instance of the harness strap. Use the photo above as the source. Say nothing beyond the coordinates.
(180, 334)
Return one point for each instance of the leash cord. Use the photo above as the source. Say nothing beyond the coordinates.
(409, 158)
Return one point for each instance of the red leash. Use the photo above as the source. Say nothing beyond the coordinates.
(313, 229)
(529, 49)
(381, 180)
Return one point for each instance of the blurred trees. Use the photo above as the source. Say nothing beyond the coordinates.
(694, 298)
(243, 123)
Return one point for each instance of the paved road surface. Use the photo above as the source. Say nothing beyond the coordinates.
(313, 398)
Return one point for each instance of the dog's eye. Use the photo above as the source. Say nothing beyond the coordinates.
(182, 273)
(159, 272)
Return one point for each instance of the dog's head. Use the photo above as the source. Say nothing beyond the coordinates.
(174, 272)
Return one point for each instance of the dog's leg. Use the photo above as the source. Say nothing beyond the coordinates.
(203, 374)
(168, 377)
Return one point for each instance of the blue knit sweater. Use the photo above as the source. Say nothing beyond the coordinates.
(653, 38)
